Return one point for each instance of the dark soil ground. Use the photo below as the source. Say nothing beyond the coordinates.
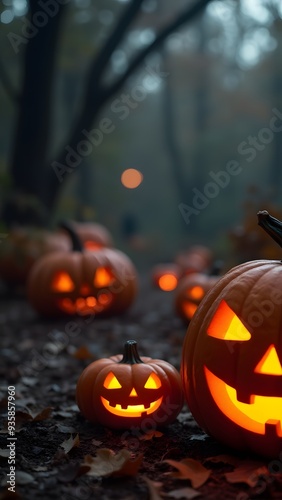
(43, 363)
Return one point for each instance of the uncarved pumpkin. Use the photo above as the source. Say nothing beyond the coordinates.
(127, 391)
(232, 355)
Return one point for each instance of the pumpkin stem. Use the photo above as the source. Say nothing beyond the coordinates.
(75, 240)
(130, 353)
(272, 226)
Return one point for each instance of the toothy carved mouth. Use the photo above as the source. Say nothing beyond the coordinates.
(132, 410)
(254, 416)
(84, 305)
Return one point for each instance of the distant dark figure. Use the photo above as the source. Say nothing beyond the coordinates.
(131, 232)
(129, 226)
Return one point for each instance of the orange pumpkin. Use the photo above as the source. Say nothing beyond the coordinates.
(124, 391)
(232, 355)
(23, 247)
(189, 293)
(101, 282)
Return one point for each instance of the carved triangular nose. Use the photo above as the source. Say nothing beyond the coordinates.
(133, 392)
(269, 363)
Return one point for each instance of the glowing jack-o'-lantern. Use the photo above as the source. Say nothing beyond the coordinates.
(102, 282)
(122, 391)
(232, 355)
(93, 235)
(190, 291)
(166, 276)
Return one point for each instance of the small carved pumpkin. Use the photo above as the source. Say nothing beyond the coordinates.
(165, 276)
(232, 355)
(23, 247)
(189, 293)
(124, 391)
(101, 282)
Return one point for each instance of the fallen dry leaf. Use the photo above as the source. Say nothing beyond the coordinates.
(248, 473)
(198, 437)
(108, 463)
(188, 468)
(153, 487)
(96, 442)
(70, 443)
(150, 435)
(188, 493)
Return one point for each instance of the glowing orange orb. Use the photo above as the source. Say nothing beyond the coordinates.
(131, 178)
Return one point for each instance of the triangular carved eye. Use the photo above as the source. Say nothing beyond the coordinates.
(153, 382)
(269, 363)
(62, 282)
(226, 325)
(103, 277)
(111, 382)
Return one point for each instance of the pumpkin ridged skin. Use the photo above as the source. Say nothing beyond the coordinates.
(90, 388)
(81, 266)
(244, 288)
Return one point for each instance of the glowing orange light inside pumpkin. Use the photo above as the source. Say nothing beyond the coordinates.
(153, 382)
(111, 382)
(131, 178)
(92, 245)
(226, 325)
(196, 293)
(104, 298)
(168, 282)
(103, 277)
(269, 363)
(85, 290)
(133, 393)
(91, 301)
(62, 282)
(189, 309)
(253, 416)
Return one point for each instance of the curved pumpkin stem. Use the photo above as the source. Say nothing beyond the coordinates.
(75, 240)
(130, 353)
(272, 226)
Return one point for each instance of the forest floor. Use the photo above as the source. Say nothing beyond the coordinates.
(53, 438)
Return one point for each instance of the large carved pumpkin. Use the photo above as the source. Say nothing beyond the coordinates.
(128, 391)
(232, 355)
(101, 282)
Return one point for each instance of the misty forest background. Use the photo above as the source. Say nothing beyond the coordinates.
(210, 76)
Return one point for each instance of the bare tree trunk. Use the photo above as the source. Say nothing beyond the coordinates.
(32, 132)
